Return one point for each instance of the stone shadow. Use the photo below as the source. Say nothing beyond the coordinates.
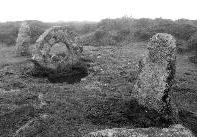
(73, 73)
(120, 113)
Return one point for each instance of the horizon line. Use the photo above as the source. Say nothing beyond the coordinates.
(96, 21)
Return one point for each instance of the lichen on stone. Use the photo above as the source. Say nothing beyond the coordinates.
(28, 33)
(156, 72)
(23, 39)
(174, 131)
(57, 48)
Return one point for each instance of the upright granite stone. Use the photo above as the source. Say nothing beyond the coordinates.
(57, 49)
(23, 39)
(152, 90)
(156, 73)
(27, 36)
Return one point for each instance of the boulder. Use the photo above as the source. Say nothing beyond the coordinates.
(156, 74)
(56, 49)
(174, 131)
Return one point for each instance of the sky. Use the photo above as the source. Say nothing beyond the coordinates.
(95, 10)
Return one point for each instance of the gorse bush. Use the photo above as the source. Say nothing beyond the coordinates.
(143, 29)
(125, 29)
(115, 24)
(180, 31)
(192, 42)
(99, 34)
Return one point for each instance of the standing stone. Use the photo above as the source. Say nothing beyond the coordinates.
(57, 49)
(27, 36)
(23, 39)
(156, 73)
(152, 90)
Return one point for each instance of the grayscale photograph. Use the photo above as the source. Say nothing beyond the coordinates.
(98, 68)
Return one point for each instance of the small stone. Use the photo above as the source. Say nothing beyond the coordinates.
(34, 126)
(83, 79)
(174, 131)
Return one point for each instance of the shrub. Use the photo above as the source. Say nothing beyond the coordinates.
(99, 34)
(193, 59)
(192, 42)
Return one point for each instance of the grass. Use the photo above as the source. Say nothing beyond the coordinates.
(8, 56)
(100, 100)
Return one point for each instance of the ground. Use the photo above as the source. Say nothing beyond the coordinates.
(103, 99)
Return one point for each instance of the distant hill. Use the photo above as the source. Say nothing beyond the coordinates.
(114, 31)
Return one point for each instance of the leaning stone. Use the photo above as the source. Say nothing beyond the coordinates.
(156, 73)
(174, 131)
(57, 49)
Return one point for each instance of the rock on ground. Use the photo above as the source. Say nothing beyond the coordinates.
(34, 126)
(174, 131)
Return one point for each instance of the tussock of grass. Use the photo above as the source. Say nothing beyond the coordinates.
(100, 100)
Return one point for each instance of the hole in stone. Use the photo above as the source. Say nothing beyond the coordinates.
(59, 49)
